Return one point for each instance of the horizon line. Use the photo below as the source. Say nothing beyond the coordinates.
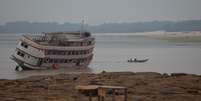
(31, 22)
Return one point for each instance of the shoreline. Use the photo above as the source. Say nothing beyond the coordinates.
(142, 86)
(194, 36)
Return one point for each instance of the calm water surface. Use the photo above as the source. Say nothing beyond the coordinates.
(112, 52)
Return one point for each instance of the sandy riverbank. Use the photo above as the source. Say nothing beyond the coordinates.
(141, 86)
(173, 34)
(194, 36)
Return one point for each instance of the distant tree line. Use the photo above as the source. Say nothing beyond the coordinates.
(169, 26)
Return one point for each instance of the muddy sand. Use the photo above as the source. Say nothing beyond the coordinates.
(142, 86)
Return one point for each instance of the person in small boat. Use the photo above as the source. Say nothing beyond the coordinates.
(135, 59)
(130, 60)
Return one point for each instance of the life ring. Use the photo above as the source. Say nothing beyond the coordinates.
(55, 66)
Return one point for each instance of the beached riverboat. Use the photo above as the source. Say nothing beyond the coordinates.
(54, 50)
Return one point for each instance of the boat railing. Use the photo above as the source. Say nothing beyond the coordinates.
(44, 38)
(37, 40)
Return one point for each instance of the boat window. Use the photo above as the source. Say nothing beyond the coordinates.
(89, 43)
(51, 61)
(83, 59)
(74, 61)
(70, 60)
(54, 52)
(51, 52)
(66, 61)
(24, 45)
(58, 52)
(62, 52)
(85, 52)
(65, 53)
(61, 61)
(55, 61)
(80, 60)
(73, 52)
(20, 54)
(44, 60)
(82, 52)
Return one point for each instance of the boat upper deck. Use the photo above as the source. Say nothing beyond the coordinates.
(61, 38)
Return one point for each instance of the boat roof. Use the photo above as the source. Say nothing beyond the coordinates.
(58, 37)
(93, 87)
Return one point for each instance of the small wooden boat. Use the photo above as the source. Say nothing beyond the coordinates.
(137, 60)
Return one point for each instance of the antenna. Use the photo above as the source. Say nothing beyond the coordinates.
(82, 28)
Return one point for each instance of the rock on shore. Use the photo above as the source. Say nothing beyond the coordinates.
(143, 86)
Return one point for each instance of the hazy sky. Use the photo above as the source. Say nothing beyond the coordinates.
(98, 11)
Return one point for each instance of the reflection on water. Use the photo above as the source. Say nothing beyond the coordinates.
(112, 52)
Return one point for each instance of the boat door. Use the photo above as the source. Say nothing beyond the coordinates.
(40, 60)
(78, 63)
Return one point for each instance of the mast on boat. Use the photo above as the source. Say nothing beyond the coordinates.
(82, 28)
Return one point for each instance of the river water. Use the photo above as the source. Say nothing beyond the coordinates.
(112, 51)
